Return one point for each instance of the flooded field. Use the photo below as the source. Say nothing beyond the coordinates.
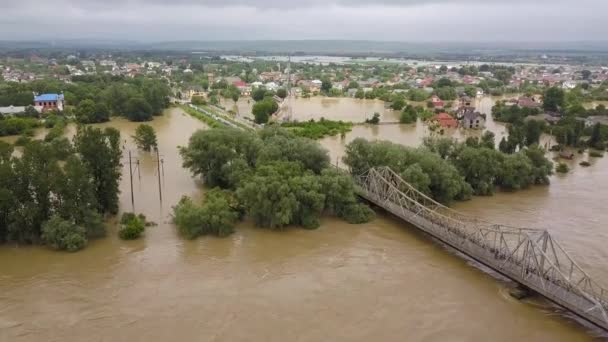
(382, 280)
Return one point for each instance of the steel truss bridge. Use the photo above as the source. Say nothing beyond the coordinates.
(531, 257)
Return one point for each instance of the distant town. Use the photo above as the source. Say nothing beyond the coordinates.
(443, 88)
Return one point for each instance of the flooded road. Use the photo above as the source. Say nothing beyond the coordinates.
(337, 108)
(334, 108)
(378, 281)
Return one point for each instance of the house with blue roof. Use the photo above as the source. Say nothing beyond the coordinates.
(49, 102)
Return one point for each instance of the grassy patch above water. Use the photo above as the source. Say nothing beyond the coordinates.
(318, 129)
(202, 117)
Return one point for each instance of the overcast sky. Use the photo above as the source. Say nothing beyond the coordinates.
(397, 20)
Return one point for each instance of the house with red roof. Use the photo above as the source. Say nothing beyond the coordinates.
(437, 103)
(243, 87)
(527, 102)
(445, 120)
(426, 82)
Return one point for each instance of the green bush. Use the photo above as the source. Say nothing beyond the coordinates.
(63, 235)
(188, 218)
(215, 216)
(132, 226)
(357, 213)
(23, 140)
(562, 168)
(374, 120)
(584, 164)
(14, 125)
(94, 225)
(596, 154)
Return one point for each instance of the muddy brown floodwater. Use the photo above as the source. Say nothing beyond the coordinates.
(378, 281)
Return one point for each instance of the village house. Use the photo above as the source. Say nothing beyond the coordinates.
(271, 86)
(49, 102)
(569, 85)
(107, 63)
(465, 102)
(470, 80)
(445, 120)
(424, 83)
(437, 103)
(242, 87)
(232, 79)
(270, 76)
(472, 119)
(153, 65)
(314, 85)
(341, 86)
(88, 65)
(16, 110)
(132, 67)
(527, 102)
(546, 117)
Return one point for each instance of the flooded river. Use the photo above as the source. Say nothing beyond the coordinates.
(378, 281)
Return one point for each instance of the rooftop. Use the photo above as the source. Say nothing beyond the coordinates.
(49, 97)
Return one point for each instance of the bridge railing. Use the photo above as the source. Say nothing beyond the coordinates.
(530, 256)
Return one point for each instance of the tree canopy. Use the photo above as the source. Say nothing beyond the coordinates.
(447, 170)
(278, 179)
(554, 99)
(56, 193)
(263, 109)
(145, 138)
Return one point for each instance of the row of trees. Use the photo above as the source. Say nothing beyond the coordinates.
(96, 98)
(273, 177)
(449, 171)
(57, 191)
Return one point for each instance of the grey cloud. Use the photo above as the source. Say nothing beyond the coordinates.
(409, 20)
(269, 4)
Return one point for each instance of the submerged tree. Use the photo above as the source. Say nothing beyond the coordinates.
(214, 217)
(63, 235)
(145, 138)
(100, 151)
(279, 180)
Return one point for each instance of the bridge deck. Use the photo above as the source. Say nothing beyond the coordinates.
(530, 257)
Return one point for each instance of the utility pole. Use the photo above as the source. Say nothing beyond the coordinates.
(160, 190)
(131, 180)
(289, 102)
(131, 162)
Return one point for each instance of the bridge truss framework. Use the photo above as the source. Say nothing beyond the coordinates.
(531, 257)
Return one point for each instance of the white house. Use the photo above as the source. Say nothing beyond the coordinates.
(272, 86)
(16, 110)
